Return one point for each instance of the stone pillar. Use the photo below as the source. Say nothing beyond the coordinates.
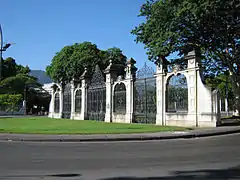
(161, 99)
(51, 105)
(84, 81)
(72, 100)
(61, 102)
(110, 72)
(226, 106)
(193, 73)
(24, 107)
(130, 78)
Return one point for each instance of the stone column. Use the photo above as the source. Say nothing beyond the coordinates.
(61, 102)
(161, 99)
(130, 78)
(110, 72)
(193, 73)
(84, 81)
(72, 100)
(51, 105)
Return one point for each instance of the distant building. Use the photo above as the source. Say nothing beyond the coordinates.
(48, 87)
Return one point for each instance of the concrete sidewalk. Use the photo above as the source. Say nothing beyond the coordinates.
(120, 137)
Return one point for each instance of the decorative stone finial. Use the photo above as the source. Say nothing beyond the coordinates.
(111, 67)
(85, 74)
(130, 68)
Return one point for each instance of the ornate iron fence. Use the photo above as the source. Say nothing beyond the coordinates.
(67, 101)
(177, 94)
(96, 96)
(145, 96)
(78, 101)
(56, 103)
(119, 99)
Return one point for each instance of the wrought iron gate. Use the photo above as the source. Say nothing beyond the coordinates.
(96, 96)
(145, 96)
(67, 101)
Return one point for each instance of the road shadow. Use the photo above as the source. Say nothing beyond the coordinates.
(41, 176)
(229, 121)
(206, 174)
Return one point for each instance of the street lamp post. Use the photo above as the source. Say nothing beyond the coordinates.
(2, 48)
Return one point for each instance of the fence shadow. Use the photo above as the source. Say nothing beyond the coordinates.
(230, 121)
(206, 174)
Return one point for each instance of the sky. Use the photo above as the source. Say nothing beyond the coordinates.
(40, 28)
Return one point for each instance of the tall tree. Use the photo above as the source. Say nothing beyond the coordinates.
(70, 62)
(208, 26)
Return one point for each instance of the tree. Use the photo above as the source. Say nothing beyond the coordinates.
(211, 27)
(11, 68)
(22, 70)
(70, 62)
(17, 84)
(118, 58)
(10, 102)
(222, 83)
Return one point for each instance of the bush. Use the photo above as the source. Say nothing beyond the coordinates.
(10, 102)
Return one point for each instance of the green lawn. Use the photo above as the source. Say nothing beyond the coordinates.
(44, 125)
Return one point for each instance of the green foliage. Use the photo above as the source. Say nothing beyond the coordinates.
(22, 70)
(223, 84)
(11, 68)
(220, 83)
(16, 84)
(70, 62)
(183, 25)
(16, 80)
(9, 102)
(208, 26)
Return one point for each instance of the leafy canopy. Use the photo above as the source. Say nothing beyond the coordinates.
(209, 26)
(71, 61)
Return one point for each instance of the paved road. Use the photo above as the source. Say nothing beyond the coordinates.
(205, 158)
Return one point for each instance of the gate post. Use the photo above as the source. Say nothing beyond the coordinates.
(61, 101)
(72, 100)
(110, 72)
(84, 81)
(129, 79)
(51, 105)
(193, 73)
(161, 99)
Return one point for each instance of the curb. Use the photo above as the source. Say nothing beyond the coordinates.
(108, 138)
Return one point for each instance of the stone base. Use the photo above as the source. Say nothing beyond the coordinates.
(119, 118)
(55, 115)
(182, 123)
(129, 118)
(207, 124)
(191, 119)
(78, 116)
(50, 115)
(160, 120)
(107, 118)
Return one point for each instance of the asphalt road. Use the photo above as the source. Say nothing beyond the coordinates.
(205, 158)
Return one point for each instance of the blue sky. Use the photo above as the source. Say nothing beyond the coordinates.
(40, 28)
